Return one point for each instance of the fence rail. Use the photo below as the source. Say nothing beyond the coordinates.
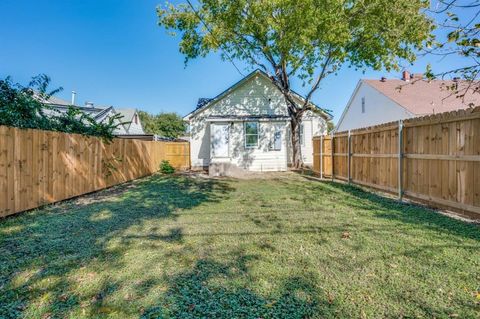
(433, 158)
(41, 167)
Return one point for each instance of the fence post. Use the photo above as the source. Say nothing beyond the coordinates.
(331, 145)
(321, 156)
(400, 160)
(348, 157)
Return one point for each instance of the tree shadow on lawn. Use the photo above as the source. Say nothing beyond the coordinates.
(390, 209)
(39, 249)
(213, 289)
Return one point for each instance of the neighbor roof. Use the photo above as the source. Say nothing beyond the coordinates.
(52, 100)
(421, 97)
(127, 113)
(99, 113)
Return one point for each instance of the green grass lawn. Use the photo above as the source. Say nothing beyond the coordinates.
(282, 247)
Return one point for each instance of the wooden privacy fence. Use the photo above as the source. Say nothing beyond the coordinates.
(40, 167)
(433, 158)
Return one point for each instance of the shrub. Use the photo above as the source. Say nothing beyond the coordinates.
(166, 167)
(24, 107)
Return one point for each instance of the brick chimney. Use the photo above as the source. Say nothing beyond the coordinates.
(405, 75)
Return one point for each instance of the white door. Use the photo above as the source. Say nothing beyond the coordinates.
(219, 140)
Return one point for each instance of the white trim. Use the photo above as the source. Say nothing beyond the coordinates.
(245, 135)
(222, 95)
(254, 119)
(212, 153)
(347, 107)
(238, 84)
(301, 128)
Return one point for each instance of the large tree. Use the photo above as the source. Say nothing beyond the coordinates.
(458, 28)
(169, 125)
(304, 39)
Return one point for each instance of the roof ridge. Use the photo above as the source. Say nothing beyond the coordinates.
(242, 81)
(425, 97)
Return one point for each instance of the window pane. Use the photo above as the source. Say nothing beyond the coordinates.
(277, 141)
(302, 136)
(251, 128)
(251, 140)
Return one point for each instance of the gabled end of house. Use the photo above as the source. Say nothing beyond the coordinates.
(203, 102)
(247, 128)
(377, 101)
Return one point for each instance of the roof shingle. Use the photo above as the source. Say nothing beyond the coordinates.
(427, 97)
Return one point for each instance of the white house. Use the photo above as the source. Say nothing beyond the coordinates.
(129, 123)
(247, 127)
(385, 100)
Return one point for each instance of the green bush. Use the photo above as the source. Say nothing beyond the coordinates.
(24, 106)
(166, 167)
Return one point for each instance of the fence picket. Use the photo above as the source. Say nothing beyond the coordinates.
(40, 167)
(433, 158)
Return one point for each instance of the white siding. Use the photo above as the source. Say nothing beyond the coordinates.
(257, 96)
(261, 158)
(312, 126)
(378, 109)
(128, 128)
(199, 142)
(120, 129)
(135, 128)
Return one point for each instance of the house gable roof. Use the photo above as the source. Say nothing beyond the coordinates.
(98, 113)
(422, 97)
(127, 114)
(204, 103)
(340, 120)
(360, 83)
(417, 97)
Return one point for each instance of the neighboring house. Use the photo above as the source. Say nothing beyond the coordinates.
(129, 124)
(133, 126)
(385, 100)
(247, 127)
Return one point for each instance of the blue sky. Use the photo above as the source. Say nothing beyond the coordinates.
(112, 52)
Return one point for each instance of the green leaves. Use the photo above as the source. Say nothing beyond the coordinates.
(169, 125)
(24, 107)
(429, 72)
(300, 33)
(453, 36)
(303, 39)
(166, 167)
(459, 22)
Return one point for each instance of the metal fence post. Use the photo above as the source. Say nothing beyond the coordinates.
(321, 156)
(400, 160)
(348, 157)
(332, 146)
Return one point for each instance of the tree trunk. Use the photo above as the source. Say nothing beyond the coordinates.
(297, 161)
